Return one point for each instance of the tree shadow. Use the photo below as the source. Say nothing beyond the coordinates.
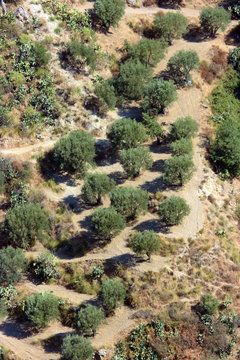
(111, 160)
(14, 329)
(153, 224)
(158, 166)
(155, 185)
(194, 34)
(132, 112)
(163, 148)
(118, 177)
(53, 343)
(170, 4)
(128, 260)
(233, 37)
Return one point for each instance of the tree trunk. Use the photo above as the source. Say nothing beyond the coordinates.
(149, 257)
(99, 200)
(158, 140)
(4, 8)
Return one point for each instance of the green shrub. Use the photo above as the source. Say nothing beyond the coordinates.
(153, 128)
(16, 78)
(112, 294)
(41, 53)
(4, 116)
(106, 94)
(45, 266)
(134, 160)
(96, 186)
(3, 310)
(81, 55)
(183, 127)
(234, 58)
(208, 304)
(12, 265)
(88, 320)
(74, 152)
(126, 133)
(109, 12)
(2, 182)
(178, 170)
(145, 243)
(180, 65)
(215, 19)
(75, 347)
(107, 223)
(129, 201)
(170, 26)
(173, 210)
(182, 146)
(40, 309)
(24, 224)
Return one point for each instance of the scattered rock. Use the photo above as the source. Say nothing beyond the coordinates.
(135, 3)
(143, 314)
(204, 104)
(22, 14)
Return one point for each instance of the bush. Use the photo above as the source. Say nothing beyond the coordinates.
(225, 149)
(74, 152)
(80, 55)
(173, 210)
(183, 127)
(45, 266)
(158, 95)
(234, 58)
(153, 128)
(107, 223)
(134, 160)
(133, 75)
(112, 294)
(178, 169)
(16, 78)
(182, 146)
(88, 320)
(2, 182)
(40, 309)
(3, 309)
(129, 201)
(12, 265)
(109, 12)
(212, 20)
(180, 65)
(148, 51)
(126, 133)
(170, 26)
(145, 243)
(95, 187)
(75, 347)
(208, 304)
(41, 54)
(24, 224)
(106, 94)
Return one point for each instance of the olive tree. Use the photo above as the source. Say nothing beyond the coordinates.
(178, 169)
(106, 95)
(182, 146)
(173, 210)
(145, 243)
(180, 65)
(74, 152)
(129, 201)
(153, 128)
(134, 160)
(75, 347)
(126, 133)
(183, 127)
(96, 186)
(107, 223)
(158, 95)
(24, 224)
(109, 12)
(170, 26)
(215, 19)
(12, 265)
(112, 294)
(88, 319)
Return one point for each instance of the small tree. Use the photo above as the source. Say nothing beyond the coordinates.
(74, 152)
(180, 65)
(148, 51)
(109, 12)
(107, 223)
(178, 169)
(145, 243)
(182, 146)
(173, 210)
(134, 160)
(208, 304)
(129, 201)
(106, 94)
(158, 94)
(112, 294)
(183, 127)
(45, 266)
(170, 26)
(153, 128)
(40, 309)
(3, 309)
(126, 133)
(88, 319)
(225, 149)
(79, 55)
(75, 347)
(96, 186)
(212, 20)
(12, 265)
(24, 224)
(133, 75)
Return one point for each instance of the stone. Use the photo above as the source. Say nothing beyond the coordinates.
(22, 14)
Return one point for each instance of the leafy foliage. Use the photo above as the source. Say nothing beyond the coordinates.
(109, 12)
(158, 94)
(182, 146)
(208, 304)
(126, 133)
(74, 152)
(3, 309)
(80, 55)
(12, 265)
(45, 266)
(145, 242)
(106, 94)
(75, 347)
(95, 186)
(40, 309)
(170, 26)
(182, 128)
(134, 160)
(153, 128)
(129, 201)
(88, 319)
(178, 169)
(180, 65)
(234, 58)
(24, 224)
(173, 210)
(112, 294)
(107, 223)
(215, 19)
